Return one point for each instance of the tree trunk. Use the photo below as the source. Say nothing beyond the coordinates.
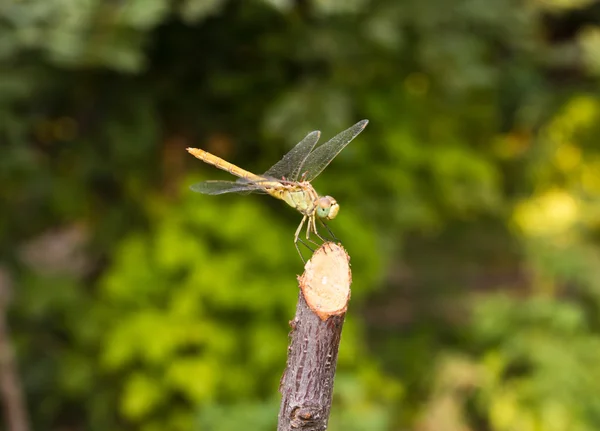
(307, 383)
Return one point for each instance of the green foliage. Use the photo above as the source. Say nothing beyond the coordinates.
(228, 418)
(139, 305)
(197, 324)
(534, 370)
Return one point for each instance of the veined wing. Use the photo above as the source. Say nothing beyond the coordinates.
(319, 159)
(289, 166)
(220, 187)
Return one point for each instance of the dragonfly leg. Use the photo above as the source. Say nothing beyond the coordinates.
(297, 234)
(309, 227)
(296, 239)
(313, 221)
(335, 238)
(314, 226)
(299, 252)
(301, 241)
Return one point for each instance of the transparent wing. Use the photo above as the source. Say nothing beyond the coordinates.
(322, 156)
(289, 166)
(220, 187)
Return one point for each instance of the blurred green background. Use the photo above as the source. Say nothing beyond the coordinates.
(470, 206)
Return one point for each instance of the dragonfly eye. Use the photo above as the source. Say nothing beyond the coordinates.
(327, 207)
(333, 210)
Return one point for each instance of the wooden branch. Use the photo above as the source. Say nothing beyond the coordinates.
(307, 383)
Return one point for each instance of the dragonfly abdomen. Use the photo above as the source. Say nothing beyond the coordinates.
(218, 162)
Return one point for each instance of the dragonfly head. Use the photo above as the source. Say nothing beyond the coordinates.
(327, 207)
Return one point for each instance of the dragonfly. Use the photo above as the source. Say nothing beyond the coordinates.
(289, 179)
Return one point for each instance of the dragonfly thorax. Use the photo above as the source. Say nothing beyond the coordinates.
(305, 199)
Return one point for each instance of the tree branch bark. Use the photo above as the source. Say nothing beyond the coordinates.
(307, 383)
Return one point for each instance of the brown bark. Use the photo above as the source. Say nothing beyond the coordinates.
(307, 383)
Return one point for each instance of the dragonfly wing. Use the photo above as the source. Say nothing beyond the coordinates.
(289, 166)
(220, 187)
(323, 155)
